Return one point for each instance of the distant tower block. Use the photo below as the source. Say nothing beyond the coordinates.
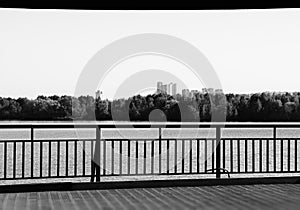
(159, 87)
(169, 88)
(164, 88)
(174, 89)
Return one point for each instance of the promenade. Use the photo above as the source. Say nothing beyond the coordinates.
(268, 196)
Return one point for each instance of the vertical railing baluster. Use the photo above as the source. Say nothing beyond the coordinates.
(97, 153)
(58, 156)
(67, 158)
(5, 159)
(152, 156)
(205, 155)
(198, 156)
(92, 152)
(246, 155)
(231, 155)
(32, 151)
(23, 159)
(224, 153)
(49, 159)
(260, 155)
(238, 156)
(281, 155)
(191, 156)
(289, 155)
(182, 158)
(213, 155)
(128, 157)
(112, 156)
(136, 157)
(41, 158)
(253, 155)
(274, 147)
(75, 157)
(104, 157)
(145, 155)
(93, 165)
(296, 158)
(159, 151)
(168, 155)
(120, 156)
(175, 157)
(218, 152)
(267, 155)
(14, 159)
(83, 158)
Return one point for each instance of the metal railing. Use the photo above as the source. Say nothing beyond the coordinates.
(102, 157)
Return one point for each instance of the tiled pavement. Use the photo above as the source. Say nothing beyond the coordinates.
(276, 196)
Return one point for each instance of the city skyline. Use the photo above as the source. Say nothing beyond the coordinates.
(171, 89)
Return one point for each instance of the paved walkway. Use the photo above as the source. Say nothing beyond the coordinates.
(279, 196)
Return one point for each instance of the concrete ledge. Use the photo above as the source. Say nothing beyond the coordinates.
(70, 186)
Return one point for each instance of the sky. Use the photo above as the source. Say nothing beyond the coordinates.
(44, 52)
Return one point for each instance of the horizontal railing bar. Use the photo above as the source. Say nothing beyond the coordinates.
(75, 126)
(153, 174)
(44, 140)
(165, 139)
(260, 139)
(151, 125)
(195, 173)
(46, 177)
(143, 139)
(264, 172)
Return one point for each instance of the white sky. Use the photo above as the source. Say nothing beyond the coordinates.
(44, 52)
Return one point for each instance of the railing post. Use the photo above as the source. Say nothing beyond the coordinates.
(159, 150)
(97, 154)
(96, 158)
(218, 152)
(274, 147)
(32, 150)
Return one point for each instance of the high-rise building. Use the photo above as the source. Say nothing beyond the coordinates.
(170, 88)
(164, 88)
(159, 87)
(174, 89)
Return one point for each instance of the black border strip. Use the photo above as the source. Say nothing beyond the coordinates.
(69, 186)
(149, 5)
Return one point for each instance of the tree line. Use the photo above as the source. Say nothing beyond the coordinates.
(263, 107)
